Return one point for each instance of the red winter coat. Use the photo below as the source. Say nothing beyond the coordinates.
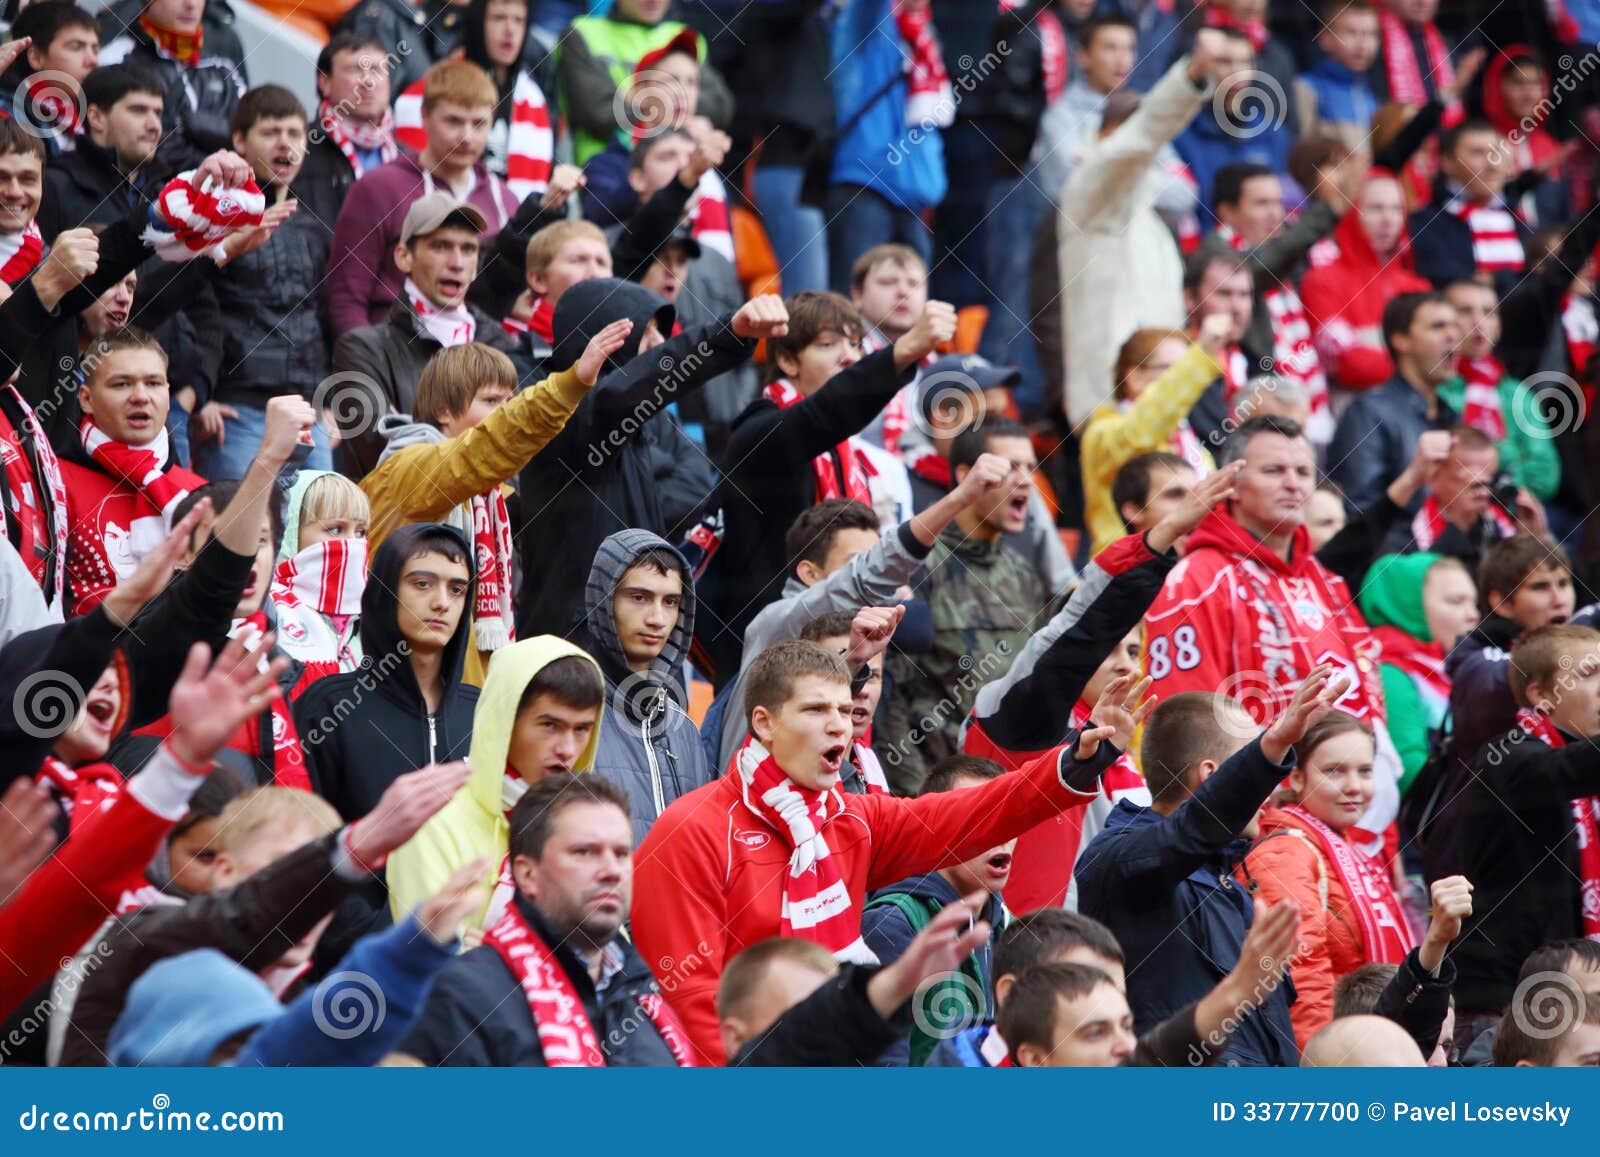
(1235, 618)
(111, 526)
(709, 878)
(1345, 291)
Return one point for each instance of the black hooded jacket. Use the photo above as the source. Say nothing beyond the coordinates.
(619, 462)
(362, 730)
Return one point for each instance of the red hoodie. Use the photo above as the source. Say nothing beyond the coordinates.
(1345, 291)
(1235, 618)
(708, 879)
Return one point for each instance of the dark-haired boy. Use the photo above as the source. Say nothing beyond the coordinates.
(353, 113)
(42, 87)
(539, 714)
(105, 177)
(775, 848)
(555, 983)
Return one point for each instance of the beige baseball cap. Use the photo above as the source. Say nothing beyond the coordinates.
(433, 211)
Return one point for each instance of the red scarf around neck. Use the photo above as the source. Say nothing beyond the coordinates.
(783, 394)
(353, 137)
(817, 905)
(1385, 937)
(566, 1036)
(142, 467)
(1496, 245)
(184, 47)
(1480, 403)
(1254, 30)
(20, 253)
(1430, 523)
(1585, 824)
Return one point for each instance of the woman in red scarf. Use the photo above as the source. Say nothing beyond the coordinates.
(1350, 914)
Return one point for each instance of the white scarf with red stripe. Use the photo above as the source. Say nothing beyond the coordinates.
(1385, 935)
(868, 764)
(142, 467)
(708, 215)
(1582, 330)
(930, 101)
(492, 625)
(353, 137)
(566, 1036)
(20, 252)
(187, 219)
(1406, 80)
(1430, 523)
(1293, 355)
(1480, 401)
(1585, 824)
(321, 581)
(450, 326)
(783, 394)
(522, 147)
(1495, 243)
(816, 901)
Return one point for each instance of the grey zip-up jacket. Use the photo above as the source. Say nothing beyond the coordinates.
(649, 746)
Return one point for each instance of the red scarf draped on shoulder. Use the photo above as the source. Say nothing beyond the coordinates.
(828, 473)
(1585, 822)
(566, 1036)
(1385, 936)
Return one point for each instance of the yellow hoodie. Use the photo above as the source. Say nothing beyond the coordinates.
(473, 824)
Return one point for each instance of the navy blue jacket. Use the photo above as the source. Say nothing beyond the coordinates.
(1375, 439)
(1441, 244)
(1164, 886)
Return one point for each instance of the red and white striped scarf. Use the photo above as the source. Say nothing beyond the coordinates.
(1585, 825)
(929, 98)
(1054, 53)
(567, 1038)
(20, 253)
(1430, 523)
(353, 137)
(708, 215)
(1385, 936)
(868, 764)
(816, 901)
(320, 583)
(187, 219)
(142, 467)
(828, 473)
(1293, 355)
(1424, 661)
(1495, 243)
(450, 326)
(1407, 84)
(1582, 330)
(288, 759)
(522, 147)
(492, 624)
(42, 517)
(1480, 401)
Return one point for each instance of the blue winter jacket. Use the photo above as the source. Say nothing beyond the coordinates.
(1262, 137)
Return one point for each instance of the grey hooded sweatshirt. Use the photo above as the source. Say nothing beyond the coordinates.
(649, 746)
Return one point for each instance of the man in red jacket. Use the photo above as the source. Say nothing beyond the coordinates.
(774, 848)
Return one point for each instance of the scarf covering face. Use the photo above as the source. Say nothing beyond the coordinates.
(1384, 933)
(42, 517)
(450, 326)
(142, 467)
(1585, 822)
(566, 1036)
(816, 903)
(321, 583)
(492, 624)
(783, 394)
(187, 219)
(354, 137)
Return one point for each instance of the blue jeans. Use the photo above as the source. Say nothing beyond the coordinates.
(858, 219)
(1016, 208)
(242, 437)
(798, 232)
(178, 434)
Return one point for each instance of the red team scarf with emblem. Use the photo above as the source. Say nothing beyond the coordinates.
(322, 582)
(43, 530)
(187, 218)
(491, 540)
(816, 901)
(142, 467)
(1384, 932)
(20, 252)
(353, 137)
(1585, 822)
(1480, 404)
(566, 1036)
(783, 394)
